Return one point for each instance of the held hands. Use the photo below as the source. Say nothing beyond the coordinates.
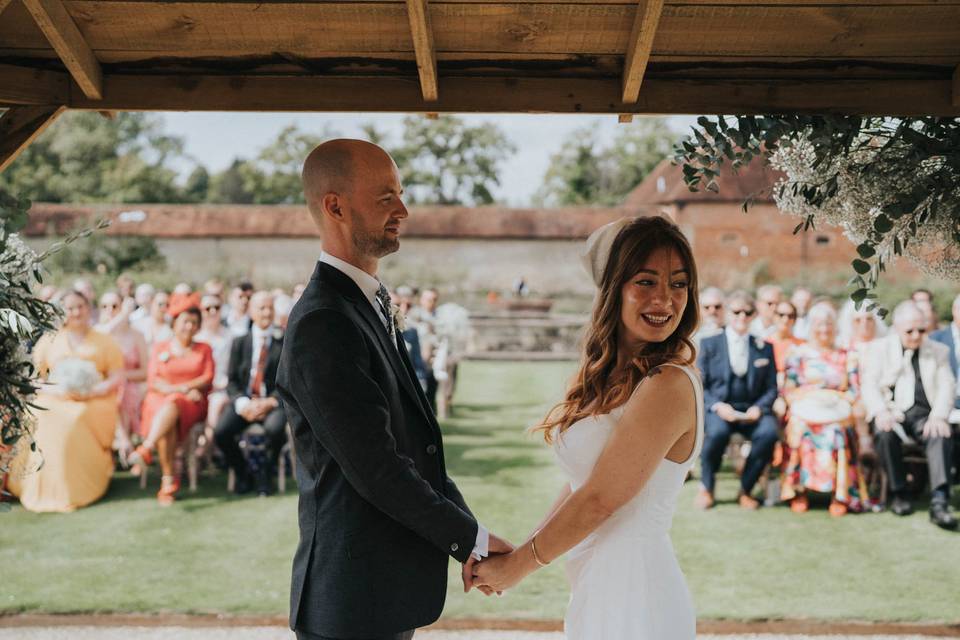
(504, 571)
(885, 421)
(725, 411)
(753, 414)
(496, 546)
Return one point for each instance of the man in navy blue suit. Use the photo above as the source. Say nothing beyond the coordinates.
(739, 388)
(950, 336)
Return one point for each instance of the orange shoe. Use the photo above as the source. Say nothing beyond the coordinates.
(747, 502)
(800, 504)
(141, 457)
(168, 490)
(837, 509)
(704, 499)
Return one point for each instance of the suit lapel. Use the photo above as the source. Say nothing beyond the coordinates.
(752, 354)
(724, 354)
(392, 353)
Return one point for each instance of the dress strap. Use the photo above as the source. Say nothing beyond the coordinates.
(698, 399)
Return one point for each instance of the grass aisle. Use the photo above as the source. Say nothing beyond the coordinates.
(215, 553)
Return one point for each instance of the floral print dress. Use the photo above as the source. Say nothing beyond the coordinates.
(821, 387)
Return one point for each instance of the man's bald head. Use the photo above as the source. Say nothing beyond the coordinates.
(332, 166)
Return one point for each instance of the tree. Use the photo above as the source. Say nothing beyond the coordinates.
(84, 157)
(447, 161)
(197, 188)
(585, 172)
(892, 184)
(231, 186)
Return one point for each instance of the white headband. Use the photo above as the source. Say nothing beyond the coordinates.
(597, 250)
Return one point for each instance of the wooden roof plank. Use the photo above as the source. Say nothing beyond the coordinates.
(641, 44)
(3, 4)
(19, 126)
(956, 86)
(521, 95)
(419, 15)
(58, 26)
(25, 85)
(713, 31)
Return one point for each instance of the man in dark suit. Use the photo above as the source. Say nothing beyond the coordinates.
(251, 386)
(739, 389)
(950, 336)
(379, 516)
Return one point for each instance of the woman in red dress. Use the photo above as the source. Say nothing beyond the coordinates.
(179, 375)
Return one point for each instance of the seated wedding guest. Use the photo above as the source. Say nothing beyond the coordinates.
(739, 388)
(282, 305)
(143, 296)
(922, 296)
(403, 298)
(81, 370)
(711, 314)
(783, 339)
(84, 287)
(423, 317)
(154, 326)
(214, 333)
(178, 377)
(298, 291)
(768, 297)
(253, 395)
(213, 287)
(237, 318)
(908, 392)
(856, 328)
(114, 321)
(820, 388)
(126, 287)
(801, 299)
(950, 336)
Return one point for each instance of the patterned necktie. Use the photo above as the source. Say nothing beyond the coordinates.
(383, 297)
(257, 385)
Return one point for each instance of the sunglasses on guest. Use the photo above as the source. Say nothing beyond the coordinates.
(743, 312)
(212, 308)
(791, 316)
(917, 330)
(713, 307)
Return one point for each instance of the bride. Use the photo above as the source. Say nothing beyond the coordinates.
(626, 435)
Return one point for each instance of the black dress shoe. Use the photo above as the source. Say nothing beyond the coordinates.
(243, 485)
(901, 507)
(940, 515)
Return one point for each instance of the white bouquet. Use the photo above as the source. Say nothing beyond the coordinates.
(75, 375)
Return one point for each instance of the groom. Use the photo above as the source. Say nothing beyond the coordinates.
(378, 514)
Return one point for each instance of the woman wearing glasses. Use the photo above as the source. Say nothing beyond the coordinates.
(115, 322)
(821, 386)
(214, 332)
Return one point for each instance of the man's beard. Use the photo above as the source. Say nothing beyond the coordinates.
(373, 244)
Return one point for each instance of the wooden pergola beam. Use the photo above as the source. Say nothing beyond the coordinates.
(25, 85)
(419, 15)
(956, 86)
(58, 26)
(641, 44)
(891, 97)
(3, 4)
(19, 126)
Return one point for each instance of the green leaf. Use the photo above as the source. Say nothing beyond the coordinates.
(865, 250)
(861, 266)
(883, 224)
(859, 295)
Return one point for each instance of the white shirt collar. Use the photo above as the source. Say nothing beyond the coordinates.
(733, 336)
(367, 283)
(258, 334)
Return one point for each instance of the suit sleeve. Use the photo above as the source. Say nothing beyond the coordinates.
(870, 392)
(236, 385)
(946, 386)
(765, 401)
(349, 415)
(703, 364)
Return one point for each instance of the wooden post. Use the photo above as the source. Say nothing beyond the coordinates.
(56, 23)
(19, 126)
(641, 44)
(419, 14)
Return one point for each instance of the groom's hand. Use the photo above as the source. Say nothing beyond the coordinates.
(496, 546)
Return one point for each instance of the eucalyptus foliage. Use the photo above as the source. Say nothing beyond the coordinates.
(23, 319)
(892, 184)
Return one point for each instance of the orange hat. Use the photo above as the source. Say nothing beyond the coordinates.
(180, 303)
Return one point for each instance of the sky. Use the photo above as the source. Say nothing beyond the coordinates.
(215, 139)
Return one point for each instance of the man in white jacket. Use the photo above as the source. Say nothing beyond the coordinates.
(908, 390)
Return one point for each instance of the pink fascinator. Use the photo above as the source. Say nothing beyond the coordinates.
(597, 250)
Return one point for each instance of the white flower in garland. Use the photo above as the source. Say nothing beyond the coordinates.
(864, 188)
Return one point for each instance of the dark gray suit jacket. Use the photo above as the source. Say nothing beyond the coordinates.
(379, 517)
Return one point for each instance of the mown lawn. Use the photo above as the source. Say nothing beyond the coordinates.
(215, 553)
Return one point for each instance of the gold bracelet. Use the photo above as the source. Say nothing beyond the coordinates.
(533, 548)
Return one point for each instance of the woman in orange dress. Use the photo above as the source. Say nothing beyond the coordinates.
(178, 377)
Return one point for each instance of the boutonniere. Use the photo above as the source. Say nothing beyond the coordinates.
(277, 333)
(759, 342)
(399, 320)
(164, 356)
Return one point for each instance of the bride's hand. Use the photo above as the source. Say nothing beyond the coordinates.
(502, 572)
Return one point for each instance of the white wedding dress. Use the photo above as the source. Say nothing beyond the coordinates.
(624, 578)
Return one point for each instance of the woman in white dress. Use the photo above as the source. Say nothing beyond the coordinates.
(626, 435)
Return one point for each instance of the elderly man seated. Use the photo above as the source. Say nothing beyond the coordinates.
(739, 388)
(908, 391)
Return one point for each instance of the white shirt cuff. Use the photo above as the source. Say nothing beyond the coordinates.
(482, 548)
(240, 404)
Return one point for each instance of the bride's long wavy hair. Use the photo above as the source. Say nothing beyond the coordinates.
(599, 385)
